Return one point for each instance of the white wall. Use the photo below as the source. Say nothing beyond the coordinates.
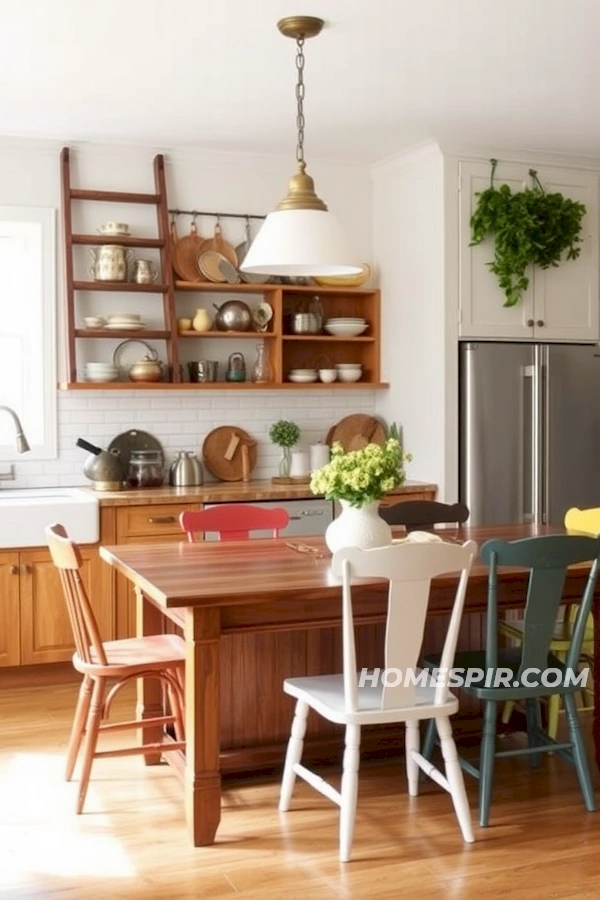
(408, 235)
(219, 182)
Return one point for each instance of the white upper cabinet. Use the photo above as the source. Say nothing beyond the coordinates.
(560, 304)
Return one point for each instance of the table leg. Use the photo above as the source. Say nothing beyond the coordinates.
(596, 675)
(149, 620)
(202, 785)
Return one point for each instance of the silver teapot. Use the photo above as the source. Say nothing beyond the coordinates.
(110, 262)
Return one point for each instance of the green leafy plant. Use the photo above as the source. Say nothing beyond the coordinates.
(284, 433)
(529, 227)
(361, 476)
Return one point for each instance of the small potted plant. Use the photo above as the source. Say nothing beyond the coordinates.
(285, 434)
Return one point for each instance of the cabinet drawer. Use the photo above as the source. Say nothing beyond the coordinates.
(146, 521)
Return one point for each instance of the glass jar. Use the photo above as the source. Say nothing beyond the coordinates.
(262, 371)
(145, 469)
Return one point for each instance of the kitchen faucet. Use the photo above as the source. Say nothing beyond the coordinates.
(22, 444)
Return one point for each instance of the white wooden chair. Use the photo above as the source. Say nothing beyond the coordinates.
(340, 698)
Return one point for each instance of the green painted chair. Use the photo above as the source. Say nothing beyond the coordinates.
(577, 521)
(512, 673)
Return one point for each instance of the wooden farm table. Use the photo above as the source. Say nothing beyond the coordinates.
(214, 589)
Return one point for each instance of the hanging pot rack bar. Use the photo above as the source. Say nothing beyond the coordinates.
(215, 215)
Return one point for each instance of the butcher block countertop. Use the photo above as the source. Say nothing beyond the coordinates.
(230, 491)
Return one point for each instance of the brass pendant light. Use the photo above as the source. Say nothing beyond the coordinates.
(301, 237)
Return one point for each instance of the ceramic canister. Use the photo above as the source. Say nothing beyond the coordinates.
(319, 456)
(300, 464)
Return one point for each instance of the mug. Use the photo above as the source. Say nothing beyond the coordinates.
(203, 370)
(144, 271)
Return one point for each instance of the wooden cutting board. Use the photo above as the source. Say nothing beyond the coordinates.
(356, 431)
(229, 453)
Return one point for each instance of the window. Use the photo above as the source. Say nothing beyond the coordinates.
(28, 329)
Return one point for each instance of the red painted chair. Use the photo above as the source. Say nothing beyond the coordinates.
(107, 666)
(233, 521)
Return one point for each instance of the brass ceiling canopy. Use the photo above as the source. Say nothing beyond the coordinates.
(300, 26)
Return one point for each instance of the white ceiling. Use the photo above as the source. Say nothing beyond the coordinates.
(382, 76)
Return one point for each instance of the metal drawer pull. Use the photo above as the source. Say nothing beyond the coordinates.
(27, 569)
(306, 512)
(161, 520)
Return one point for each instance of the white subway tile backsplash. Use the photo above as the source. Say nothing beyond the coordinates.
(181, 421)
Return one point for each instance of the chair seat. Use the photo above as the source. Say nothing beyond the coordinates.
(562, 635)
(325, 694)
(154, 652)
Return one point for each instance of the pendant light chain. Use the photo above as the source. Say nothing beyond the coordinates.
(300, 94)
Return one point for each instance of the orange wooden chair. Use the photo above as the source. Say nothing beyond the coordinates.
(234, 521)
(107, 666)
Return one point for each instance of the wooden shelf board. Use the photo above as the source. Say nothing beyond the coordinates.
(218, 287)
(262, 288)
(102, 239)
(114, 196)
(141, 333)
(328, 338)
(130, 286)
(216, 386)
(227, 334)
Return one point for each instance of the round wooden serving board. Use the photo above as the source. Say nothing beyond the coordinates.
(229, 453)
(356, 431)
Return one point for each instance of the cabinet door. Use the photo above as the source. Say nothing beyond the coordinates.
(561, 303)
(10, 625)
(481, 310)
(46, 634)
(566, 306)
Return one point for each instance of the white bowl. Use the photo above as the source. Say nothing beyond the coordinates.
(94, 321)
(327, 375)
(303, 371)
(302, 379)
(345, 329)
(349, 374)
(342, 319)
(348, 366)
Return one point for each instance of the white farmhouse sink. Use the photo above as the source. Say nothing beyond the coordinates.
(24, 515)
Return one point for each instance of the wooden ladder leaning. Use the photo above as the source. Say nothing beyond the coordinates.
(163, 286)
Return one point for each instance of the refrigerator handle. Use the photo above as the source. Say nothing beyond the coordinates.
(537, 442)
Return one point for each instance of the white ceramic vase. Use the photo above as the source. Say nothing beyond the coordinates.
(358, 527)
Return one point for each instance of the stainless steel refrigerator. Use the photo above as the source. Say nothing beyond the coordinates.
(529, 430)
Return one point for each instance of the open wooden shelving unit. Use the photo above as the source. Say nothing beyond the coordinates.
(286, 350)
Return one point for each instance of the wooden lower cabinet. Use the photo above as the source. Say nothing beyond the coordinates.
(10, 612)
(34, 624)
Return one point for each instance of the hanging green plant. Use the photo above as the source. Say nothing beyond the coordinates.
(530, 227)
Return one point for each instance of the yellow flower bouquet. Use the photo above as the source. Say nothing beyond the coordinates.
(361, 476)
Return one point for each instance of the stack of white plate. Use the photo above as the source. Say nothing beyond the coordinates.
(303, 376)
(345, 326)
(125, 322)
(100, 371)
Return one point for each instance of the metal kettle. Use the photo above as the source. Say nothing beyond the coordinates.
(186, 470)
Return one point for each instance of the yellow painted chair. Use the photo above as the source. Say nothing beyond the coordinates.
(577, 521)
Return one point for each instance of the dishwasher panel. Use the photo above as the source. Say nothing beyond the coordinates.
(310, 516)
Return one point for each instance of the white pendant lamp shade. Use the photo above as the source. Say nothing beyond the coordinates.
(301, 238)
(295, 242)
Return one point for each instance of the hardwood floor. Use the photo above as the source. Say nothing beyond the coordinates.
(131, 841)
